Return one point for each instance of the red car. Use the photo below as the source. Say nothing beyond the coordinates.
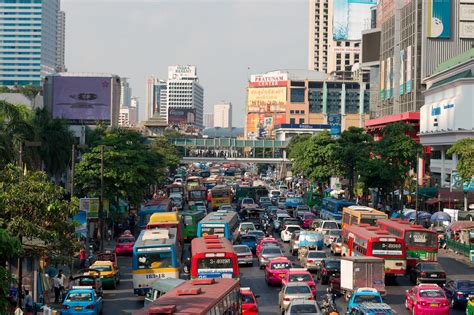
(308, 218)
(276, 270)
(300, 275)
(249, 302)
(124, 244)
(267, 241)
(427, 299)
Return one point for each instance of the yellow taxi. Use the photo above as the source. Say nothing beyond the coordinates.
(109, 272)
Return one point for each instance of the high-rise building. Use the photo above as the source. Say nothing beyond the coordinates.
(128, 116)
(335, 28)
(61, 42)
(28, 41)
(208, 120)
(185, 97)
(126, 93)
(156, 98)
(223, 115)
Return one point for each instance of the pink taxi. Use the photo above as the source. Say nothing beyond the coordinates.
(276, 270)
(427, 299)
(267, 241)
(300, 275)
(124, 244)
(308, 218)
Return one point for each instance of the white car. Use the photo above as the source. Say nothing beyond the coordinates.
(327, 225)
(330, 236)
(286, 233)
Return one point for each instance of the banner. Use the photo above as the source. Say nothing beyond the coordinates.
(382, 80)
(408, 73)
(350, 18)
(269, 79)
(420, 172)
(439, 19)
(402, 72)
(267, 99)
(334, 120)
(388, 87)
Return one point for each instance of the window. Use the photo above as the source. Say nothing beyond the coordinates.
(348, 44)
(292, 121)
(301, 120)
(338, 56)
(348, 56)
(297, 95)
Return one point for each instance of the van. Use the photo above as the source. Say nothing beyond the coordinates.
(160, 287)
(324, 225)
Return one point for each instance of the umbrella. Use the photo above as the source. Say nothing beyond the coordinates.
(422, 215)
(440, 216)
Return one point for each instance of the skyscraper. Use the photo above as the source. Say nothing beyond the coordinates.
(208, 120)
(155, 98)
(125, 93)
(335, 30)
(185, 97)
(223, 115)
(28, 48)
(61, 42)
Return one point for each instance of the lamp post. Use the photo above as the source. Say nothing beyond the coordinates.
(101, 198)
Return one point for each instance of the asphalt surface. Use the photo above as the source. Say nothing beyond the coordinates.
(122, 300)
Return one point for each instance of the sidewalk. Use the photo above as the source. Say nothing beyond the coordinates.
(458, 257)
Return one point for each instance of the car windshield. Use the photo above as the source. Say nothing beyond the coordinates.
(431, 294)
(244, 226)
(431, 267)
(102, 268)
(257, 233)
(330, 225)
(280, 265)
(241, 249)
(298, 289)
(309, 216)
(247, 201)
(300, 278)
(310, 237)
(334, 232)
(264, 199)
(367, 298)
(271, 250)
(276, 193)
(317, 255)
(79, 297)
(466, 285)
(332, 264)
(247, 238)
(291, 229)
(247, 299)
(304, 309)
(122, 240)
(338, 240)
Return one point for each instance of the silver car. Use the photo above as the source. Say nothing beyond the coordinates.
(311, 260)
(301, 306)
(244, 254)
(268, 253)
(291, 291)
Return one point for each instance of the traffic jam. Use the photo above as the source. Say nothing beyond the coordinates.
(223, 239)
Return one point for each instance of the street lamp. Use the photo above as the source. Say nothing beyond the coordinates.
(101, 198)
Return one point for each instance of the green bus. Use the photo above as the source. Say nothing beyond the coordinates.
(191, 219)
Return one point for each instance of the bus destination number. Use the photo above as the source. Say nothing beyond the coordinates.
(156, 276)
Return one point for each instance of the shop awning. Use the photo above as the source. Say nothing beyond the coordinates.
(432, 201)
(462, 225)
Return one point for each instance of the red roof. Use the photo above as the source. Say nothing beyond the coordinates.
(382, 121)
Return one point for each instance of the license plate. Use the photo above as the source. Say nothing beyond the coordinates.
(77, 308)
(434, 304)
(434, 276)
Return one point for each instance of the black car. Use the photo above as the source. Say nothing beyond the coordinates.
(458, 291)
(329, 268)
(428, 272)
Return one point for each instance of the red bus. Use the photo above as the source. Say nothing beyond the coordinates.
(198, 297)
(213, 257)
(420, 244)
(366, 240)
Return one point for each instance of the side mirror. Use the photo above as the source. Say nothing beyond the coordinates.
(257, 296)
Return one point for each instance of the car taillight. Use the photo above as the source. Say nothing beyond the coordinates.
(311, 298)
(254, 308)
(310, 260)
(459, 294)
(66, 307)
(325, 270)
(446, 303)
(90, 307)
(422, 303)
(442, 274)
(422, 274)
(286, 299)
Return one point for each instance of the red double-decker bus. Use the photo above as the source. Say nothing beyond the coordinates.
(366, 240)
(213, 257)
(420, 244)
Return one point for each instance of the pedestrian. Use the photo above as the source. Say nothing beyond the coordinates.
(82, 258)
(59, 282)
(28, 302)
(71, 283)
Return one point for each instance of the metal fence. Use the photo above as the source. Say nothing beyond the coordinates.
(463, 249)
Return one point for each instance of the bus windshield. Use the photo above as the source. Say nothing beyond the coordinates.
(214, 263)
(154, 260)
(213, 230)
(420, 238)
(197, 194)
(370, 221)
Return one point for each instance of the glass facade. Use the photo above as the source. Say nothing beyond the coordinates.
(28, 40)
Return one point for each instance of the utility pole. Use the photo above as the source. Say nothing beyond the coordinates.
(416, 191)
(73, 168)
(101, 201)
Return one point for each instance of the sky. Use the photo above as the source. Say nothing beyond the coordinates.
(226, 39)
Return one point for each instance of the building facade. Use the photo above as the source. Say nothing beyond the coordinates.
(155, 98)
(208, 120)
(125, 93)
(28, 41)
(223, 115)
(334, 31)
(298, 97)
(185, 97)
(61, 43)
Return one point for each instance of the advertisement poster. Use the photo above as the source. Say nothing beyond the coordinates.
(82, 98)
(402, 72)
(334, 120)
(264, 123)
(382, 80)
(439, 19)
(181, 116)
(350, 18)
(269, 79)
(271, 99)
(408, 73)
(388, 86)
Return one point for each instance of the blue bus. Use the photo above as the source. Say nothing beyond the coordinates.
(145, 212)
(221, 222)
(156, 255)
(332, 208)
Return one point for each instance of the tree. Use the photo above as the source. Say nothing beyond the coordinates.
(352, 153)
(464, 148)
(171, 154)
(9, 247)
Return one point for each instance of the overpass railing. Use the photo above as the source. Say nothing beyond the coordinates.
(229, 143)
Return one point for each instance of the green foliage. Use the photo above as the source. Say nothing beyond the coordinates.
(30, 91)
(33, 207)
(170, 153)
(130, 167)
(465, 150)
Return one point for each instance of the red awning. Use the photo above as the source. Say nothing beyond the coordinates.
(462, 225)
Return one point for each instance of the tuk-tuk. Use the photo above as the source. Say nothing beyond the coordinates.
(91, 278)
(160, 287)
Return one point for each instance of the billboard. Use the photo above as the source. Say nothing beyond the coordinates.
(408, 74)
(350, 18)
(271, 99)
(82, 98)
(269, 79)
(181, 116)
(334, 121)
(439, 19)
(181, 71)
(382, 80)
(262, 124)
(371, 47)
(402, 72)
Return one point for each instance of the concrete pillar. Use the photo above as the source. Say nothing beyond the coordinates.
(325, 100)
(343, 107)
(361, 105)
(443, 169)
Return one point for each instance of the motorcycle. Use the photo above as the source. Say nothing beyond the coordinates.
(328, 305)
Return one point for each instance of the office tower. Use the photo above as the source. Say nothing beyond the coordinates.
(61, 42)
(185, 97)
(125, 93)
(28, 48)
(223, 115)
(208, 120)
(155, 98)
(335, 28)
